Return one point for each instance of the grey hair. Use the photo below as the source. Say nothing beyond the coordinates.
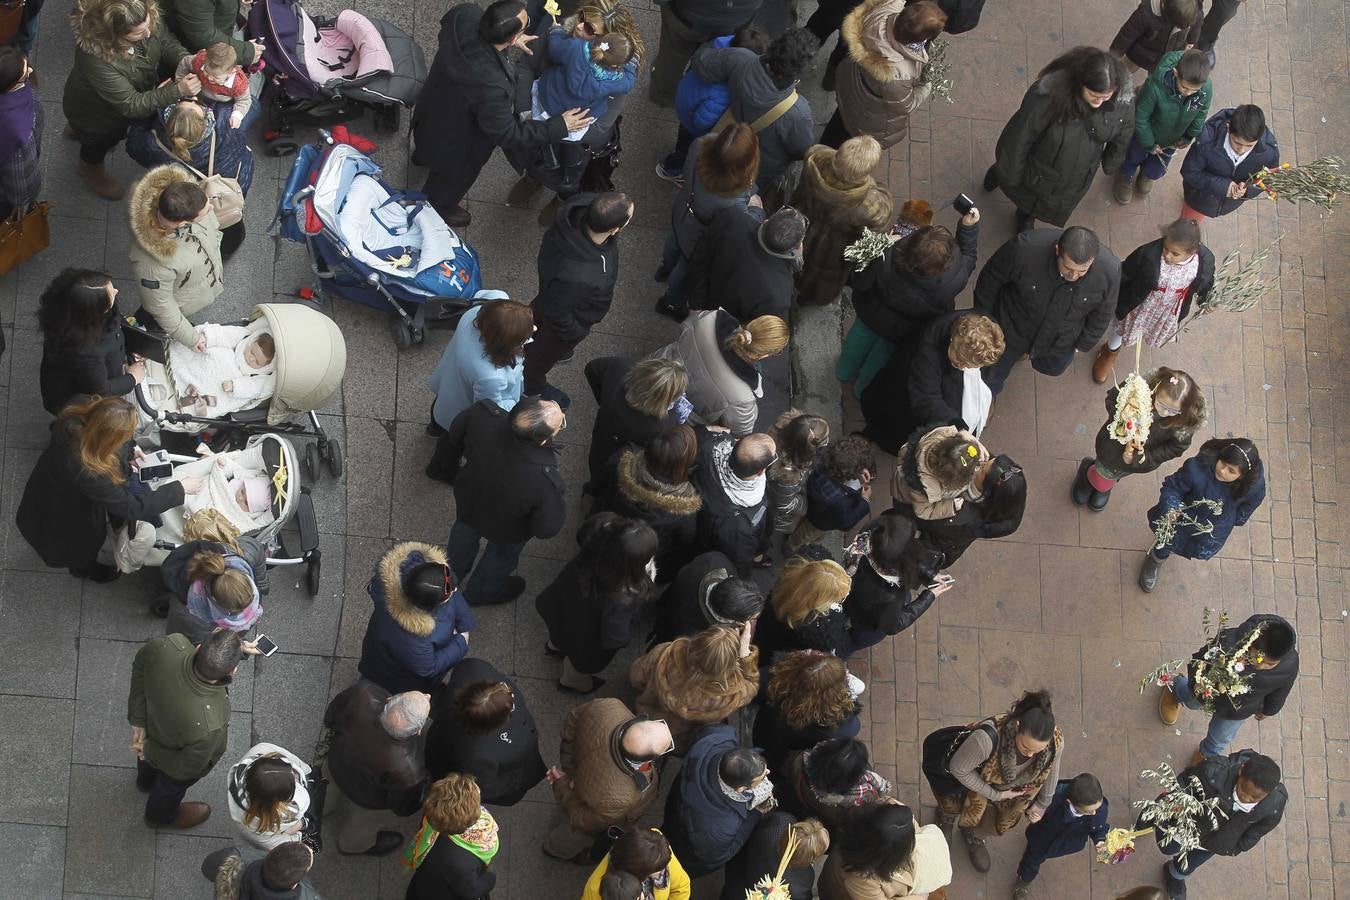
(401, 717)
(652, 385)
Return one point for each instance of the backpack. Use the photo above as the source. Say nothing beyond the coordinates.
(939, 748)
(222, 192)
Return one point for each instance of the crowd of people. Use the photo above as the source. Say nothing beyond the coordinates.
(690, 493)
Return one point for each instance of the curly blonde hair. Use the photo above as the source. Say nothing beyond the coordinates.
(810, 688)
(806, 588)
(976, 341)
(100, 24)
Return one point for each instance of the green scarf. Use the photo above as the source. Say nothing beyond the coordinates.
(480, 839)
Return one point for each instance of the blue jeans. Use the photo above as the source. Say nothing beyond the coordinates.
(1194, 860)
(1138, 156)
(497, 563)
(1221, 731)
(996, 375)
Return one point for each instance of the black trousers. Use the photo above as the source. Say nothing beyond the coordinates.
(94, 147)
(166, 793)
(1219, 15)
(541, 355)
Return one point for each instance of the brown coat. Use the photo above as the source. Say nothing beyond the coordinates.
(936, 499)
(668, 688)
(838, 213)
(878, 83)
(601, 789)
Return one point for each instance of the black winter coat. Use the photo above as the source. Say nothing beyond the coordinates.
(1139, 276)
(1147, 35)
(715, 17)
(374, 770)
(470, 106)
(731, 270)
(69, 370)
(1269, 687)
(508, 489)
(1164, 443)
(449, 872)
(1046, 164)
(65, 510)
(760, 857)
(504, 760)
(1207, 171)
(1041, 313)
(705, 827)
(827, 633)
(778, 740)
(918, 385)
(962, 16)
(1240, 831)
(617, 424)
(998, 514)
(576, 275)
(670, 509)
(895, 303)
(680, 610)
(739, 532)
(876, 604)
(588, 626)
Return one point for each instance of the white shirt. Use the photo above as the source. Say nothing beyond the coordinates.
(1233, 154)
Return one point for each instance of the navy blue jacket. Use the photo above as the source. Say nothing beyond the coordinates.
(705, 827)
(407, 648)
(1194, 480)
(1207, 171)
(831, 506)
(1060, 833)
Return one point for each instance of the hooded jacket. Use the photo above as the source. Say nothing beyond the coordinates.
(1139, 277)
(705, 827)
(109, 88)
(1164, 443)
(698, 103)
(670, 509)
(740, 532)
(723, 388)
(669, 688)
(617, 424)
(1196, 480)
(914, 482)
(407, 648)
(504, 760)
(574, 81)
(683, 607)
(292, 818)
(178, 273)
(70, 369)
(1147, 35)
(470, 90)
(201, 23)
(1164, 117)
(371, 768)
(1269, 687)
(1238, 831)
(1040, 312)
(753, 93)
(186, 720)
(576, 275)
(894, 302)
(1207, 171)
(838, 213)
(878, 83)
(731, 269)
(601, 787)
(1046, 164)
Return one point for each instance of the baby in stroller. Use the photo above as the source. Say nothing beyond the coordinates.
(230, 368)
(587, 72)
(236, 486)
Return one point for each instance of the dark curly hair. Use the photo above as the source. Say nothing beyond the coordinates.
(811, 688)
(789, 55)
(848, 458)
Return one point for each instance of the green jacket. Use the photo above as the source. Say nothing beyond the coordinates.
(1165, 118)
(186, 720)
(108, 89)
(201, 23)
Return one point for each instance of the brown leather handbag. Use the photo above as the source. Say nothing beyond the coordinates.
(11, 17)
(23, 236)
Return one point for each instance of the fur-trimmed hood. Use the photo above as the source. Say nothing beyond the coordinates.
(869, 33)
(642, 487)
(819, 177)
(1058, 83)
(143, 204)
(389, 581)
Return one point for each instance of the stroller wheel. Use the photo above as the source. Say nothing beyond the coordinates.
(282, 146)
(312, 470)
(334, 458)
(402, 333)
(419, 334)
(313, 571)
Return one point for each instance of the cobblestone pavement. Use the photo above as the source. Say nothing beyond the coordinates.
(1054, 605)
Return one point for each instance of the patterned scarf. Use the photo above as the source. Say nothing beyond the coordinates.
(1000, 772)
(480, 839)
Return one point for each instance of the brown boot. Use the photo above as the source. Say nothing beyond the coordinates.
(522, 192)
(1197, 757)
(979, 853)
(1169, 707)
(1101, 366)
(100, 182)
(1124, 189)
(190, 815)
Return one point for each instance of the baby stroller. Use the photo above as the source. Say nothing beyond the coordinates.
(310, 359)
(326, 71)
(269, 457)
(375, 244)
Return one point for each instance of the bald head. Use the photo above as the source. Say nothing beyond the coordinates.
(753, 454)
(404, 715)
(647, 740)
(536, 420)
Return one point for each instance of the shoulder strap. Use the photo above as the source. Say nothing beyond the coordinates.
(182, 162)
(773, 115)
(211, 160)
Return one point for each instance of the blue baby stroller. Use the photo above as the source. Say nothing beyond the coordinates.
(375, 244)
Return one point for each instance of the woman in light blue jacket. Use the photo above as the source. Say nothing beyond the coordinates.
(483, 361)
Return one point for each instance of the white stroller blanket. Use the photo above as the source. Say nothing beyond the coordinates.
(216, 493)
(380, 236)
(199, 379)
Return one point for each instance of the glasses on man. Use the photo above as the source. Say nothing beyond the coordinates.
(671, 748)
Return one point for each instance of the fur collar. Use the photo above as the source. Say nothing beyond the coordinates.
(819, 176)
(1058, 83)
(141, 208)
(867, 32)
(641, 486)
(389, 575)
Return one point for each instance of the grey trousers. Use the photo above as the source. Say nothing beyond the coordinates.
(357, 827)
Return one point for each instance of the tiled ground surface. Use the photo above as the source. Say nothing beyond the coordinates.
(1054, 605)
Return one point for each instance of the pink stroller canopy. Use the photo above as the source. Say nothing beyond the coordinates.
(351, 48)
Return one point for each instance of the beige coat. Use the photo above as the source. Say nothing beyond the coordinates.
(929, 868)
(878, 83)
(178, 273)
(937, 500)
(600, 789)
(667, 688)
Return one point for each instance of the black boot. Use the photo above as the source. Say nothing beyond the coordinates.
(991, 178)
(1025, 222)
(1082, 489)
(1097, 502)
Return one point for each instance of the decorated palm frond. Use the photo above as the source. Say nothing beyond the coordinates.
(1322, 181)
(1183, 516)
(1219, 672)
(771, 887)
(1181, 811)
(1119, 845)
(872, 245)
(937, 72)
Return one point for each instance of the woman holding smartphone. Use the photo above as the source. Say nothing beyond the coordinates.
(887, 565)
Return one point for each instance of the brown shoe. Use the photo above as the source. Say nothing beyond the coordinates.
(1169, 707)
(1124, 190)
(522, 192)
(190, 815)
(979, 853)
(1197, 757)
(1142, 185)
(1101, 366)
(458, 217)
(100, 182)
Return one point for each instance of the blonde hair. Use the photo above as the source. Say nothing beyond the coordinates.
(652, 385)
(609, 16)
(714, 653)
(977, 340)
(614, 53)
(106, 425)
(856, 158)
(452, 804)
(806, 588)
(100, 24)
(211, 525)
(221, 57)
(813, 842)
(231, 589)
(183, 129)
(759, 339)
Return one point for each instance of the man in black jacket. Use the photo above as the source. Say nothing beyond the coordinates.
(730, 478)
(722, 792)
(685, 26)
(468, 106)
(1273, 664)
(578, 267)
(508, 491)
(745, 264)
(1053, 292)
(1251, 803)
(705, 592)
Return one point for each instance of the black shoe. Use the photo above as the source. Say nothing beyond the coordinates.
(1097, 502)
(1082, 489)
(679, 314)
(159, 607)
(1025, 222)
(97, 572)
(1176, 887)
(436, 474)
(661, 275)
(434, 430)
(557, 395)
(386, 842)
(231, 239)
(991, 178)
(596, 684)
(144, 784)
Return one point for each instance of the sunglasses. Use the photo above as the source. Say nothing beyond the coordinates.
(447, 583)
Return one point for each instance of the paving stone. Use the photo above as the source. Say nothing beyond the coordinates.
(108, 845)
(39, 663)
(32, 858)
(34, 759)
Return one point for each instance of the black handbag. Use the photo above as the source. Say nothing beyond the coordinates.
(939, 748)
